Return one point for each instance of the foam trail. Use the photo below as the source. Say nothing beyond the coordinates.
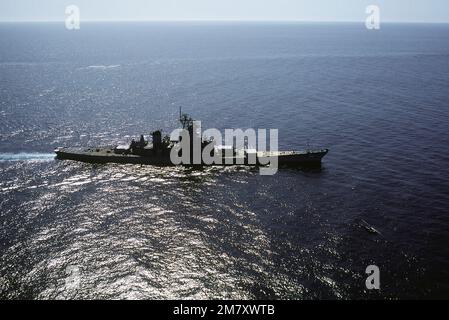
(26, 156)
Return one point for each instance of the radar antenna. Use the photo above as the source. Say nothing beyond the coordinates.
(186, 121)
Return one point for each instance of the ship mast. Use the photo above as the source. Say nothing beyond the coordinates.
(185, 120)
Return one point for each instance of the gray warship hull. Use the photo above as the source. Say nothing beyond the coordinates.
(108, 155)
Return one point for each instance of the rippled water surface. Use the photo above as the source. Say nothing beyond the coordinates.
(378, 100)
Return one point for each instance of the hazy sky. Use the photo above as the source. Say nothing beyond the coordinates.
(305, 10)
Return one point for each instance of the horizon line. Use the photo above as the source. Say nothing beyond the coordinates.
(224, 20)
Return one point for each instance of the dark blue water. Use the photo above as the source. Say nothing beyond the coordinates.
(378, 99)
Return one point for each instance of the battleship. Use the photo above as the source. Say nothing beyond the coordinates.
(158, 152)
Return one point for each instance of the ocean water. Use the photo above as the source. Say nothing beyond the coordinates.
(378, 99)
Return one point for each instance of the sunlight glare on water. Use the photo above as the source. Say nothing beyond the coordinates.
(74, 230)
